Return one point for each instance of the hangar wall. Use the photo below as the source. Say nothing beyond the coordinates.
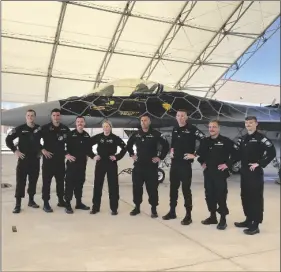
(248, 92)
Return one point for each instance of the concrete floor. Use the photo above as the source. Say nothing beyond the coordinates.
(84, 242)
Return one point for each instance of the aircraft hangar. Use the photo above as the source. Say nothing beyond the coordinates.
(53, 50)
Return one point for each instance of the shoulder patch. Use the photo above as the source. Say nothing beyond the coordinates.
(266, 142)
(13, 131)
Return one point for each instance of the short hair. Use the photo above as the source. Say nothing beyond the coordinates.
(215, 121)
(252, 117)
(31, 110)
(145, 115)
(80, 116)
(107, 122)
(182, 110)
(56, 110)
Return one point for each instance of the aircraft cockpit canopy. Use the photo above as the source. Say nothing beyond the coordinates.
(131, 87)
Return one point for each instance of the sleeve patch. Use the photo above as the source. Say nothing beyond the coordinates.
(266, 142)
(13, 131)
(200, 134)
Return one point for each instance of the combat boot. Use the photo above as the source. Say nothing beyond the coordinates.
(95, 210)
(68, 208)
(135, 211)
(47, 208)
(81, 206)
(222, 224)
(170, 215)
(32, 203)
(187, 219)
(212, 220)
(252, 229)
(17, 208)
(154, 213)
(244, 224)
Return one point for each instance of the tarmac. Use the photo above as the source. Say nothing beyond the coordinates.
(82, 242)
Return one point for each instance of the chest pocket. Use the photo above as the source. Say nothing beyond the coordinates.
(145, 141)
(185, 136)
(60, 136)
(251, 145)
(28, 135)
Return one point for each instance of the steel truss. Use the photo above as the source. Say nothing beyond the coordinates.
(54, 51)
(92, 5)
(242, 60)
(116, 36)
(169, 37)
(43, 75)
(63, 44)
(236, 15)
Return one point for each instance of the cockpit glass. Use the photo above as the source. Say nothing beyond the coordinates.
(130, 87)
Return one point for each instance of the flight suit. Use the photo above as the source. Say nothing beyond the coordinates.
(106, 147)
(183, 142)
(253, 148)
(145, 171)
(78, 145)
(54, 141)
(29, 145)
(213, 152)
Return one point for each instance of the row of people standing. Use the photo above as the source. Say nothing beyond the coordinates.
(216, 154)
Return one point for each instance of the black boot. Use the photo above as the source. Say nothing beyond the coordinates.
(95, 210)
(68, 208)
(252, 229)
(17, 208)
(32, 203)
(61, 202)
(154, 213)
(187, 220)
(170, 215)
(47, 208)
(222, 224)
(135, 211)
(210, 220)
(244, 224)
(114, 212)
(81, 206)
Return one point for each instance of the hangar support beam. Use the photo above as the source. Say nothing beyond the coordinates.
(226, 28)
(42, 75)
(116, 36)
(215, 64)
(54, 51)
(92, 5)
(169, 37)
(242, 60)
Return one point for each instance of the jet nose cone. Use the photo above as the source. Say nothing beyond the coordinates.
(16, 117)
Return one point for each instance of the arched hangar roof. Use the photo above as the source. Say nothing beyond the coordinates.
(56, 49)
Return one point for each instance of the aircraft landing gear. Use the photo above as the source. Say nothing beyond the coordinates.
(161, 175)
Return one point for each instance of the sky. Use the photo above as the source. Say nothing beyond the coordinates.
(264, 66)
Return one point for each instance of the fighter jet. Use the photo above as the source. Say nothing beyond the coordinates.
(124, 101)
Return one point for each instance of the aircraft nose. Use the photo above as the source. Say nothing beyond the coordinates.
(16, 117)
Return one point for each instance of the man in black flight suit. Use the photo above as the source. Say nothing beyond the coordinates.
(146, 162)
(28, 153)
(106, 157)
(183, 145)
(78, 147)
(215, 155)
(255, 152)
(54, 135)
